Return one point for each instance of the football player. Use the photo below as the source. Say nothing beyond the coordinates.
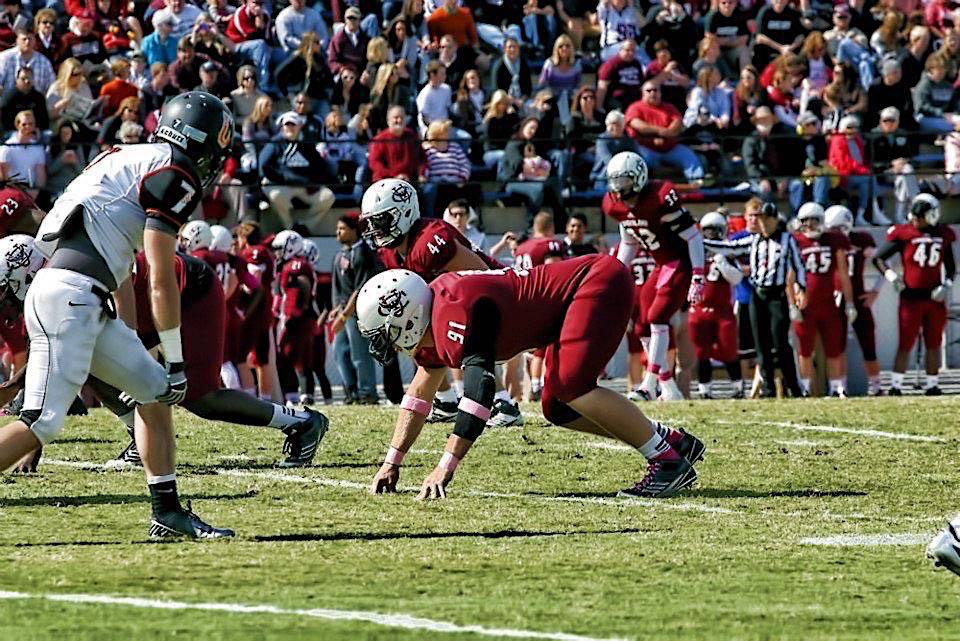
(944, 549)
(323, 281)
(428, 247)
(926, 249)
(651, 217)
(18, 212)
(641, 267)
(257, 344)
(127, 198)
(840, 219)
(712, 323)
(542, 248)
(824, 255)
(297, 317)
(473, 319)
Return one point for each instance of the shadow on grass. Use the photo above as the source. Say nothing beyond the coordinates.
(733, 493)
(88, 439)
(390, 536)
(108, 499)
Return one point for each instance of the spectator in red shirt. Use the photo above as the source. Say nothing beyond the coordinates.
(120, 87)
(185, 70)
(619, 78)
(348, 47)
(656, 125)
(848, 157)
(82, 42)
(395, 151)
(249, 29)
(453, 20)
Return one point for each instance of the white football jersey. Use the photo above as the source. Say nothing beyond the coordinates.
(617, 26)
(119, 190)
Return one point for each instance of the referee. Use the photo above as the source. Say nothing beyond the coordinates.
(774, 259)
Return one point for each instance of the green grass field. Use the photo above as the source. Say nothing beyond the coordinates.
(532, 542)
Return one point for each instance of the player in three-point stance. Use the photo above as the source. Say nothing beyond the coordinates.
(472, 320)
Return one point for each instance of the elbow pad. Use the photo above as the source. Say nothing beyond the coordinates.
(478, 390)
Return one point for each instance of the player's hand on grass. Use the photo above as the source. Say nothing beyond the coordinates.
(385, 482)
(28, 464)
(435, 485)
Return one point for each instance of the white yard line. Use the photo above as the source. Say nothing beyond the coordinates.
(858, 540)
(802, 427)
(389, 620)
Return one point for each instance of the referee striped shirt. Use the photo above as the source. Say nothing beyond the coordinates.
(771, 257)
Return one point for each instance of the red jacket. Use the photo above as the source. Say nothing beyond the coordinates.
(391, 155)
(839, 156)
(242, 27)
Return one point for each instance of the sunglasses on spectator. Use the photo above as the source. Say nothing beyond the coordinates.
(888, 120)
(76, 72)
(46, 22)
(352, 18)
(458, 213)
(651, 90)
(245, 78)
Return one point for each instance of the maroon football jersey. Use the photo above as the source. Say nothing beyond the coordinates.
(644, 221)
(194, 278)
(219, 261)
(641, 266)
(716, 289)
(294, 300)
(819, 258)
(534, 252)
(922, 253)
(532, 305)
(261, 259)
(431, 244)
(14, 205)
(860, 244)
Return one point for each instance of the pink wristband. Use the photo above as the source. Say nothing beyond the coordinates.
(449, 462)
(475, 408)
(394, 456)
(415, 405)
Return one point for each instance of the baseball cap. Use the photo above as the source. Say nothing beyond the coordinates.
(841, 10)
(890, 113)
(849, 121)
(352, 12)
(209, 65)
(290, 116)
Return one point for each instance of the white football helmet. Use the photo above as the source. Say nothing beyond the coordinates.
(388, 210)
(839, 217)
(944, 549)
(20, 260)
(286, 245)
(810, 217)
(626, 174)
(222, 239)
(195, 235)
(925, 207)
(393, 312)
(311, 252)
(714, 226)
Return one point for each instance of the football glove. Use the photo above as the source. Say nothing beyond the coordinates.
(695, 293)
(176, 385)
(941, 292)
(894, 279)
(851, 312)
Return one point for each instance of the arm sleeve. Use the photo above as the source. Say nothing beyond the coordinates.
(886, 251)
(731, 273)
(627, 250)
(168, 196)
(479, 363)
(694, 245)
(729, 248)
(949, 261)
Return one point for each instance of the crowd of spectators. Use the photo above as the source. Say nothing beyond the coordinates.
(796, 100)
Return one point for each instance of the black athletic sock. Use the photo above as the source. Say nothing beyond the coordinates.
(163, 496)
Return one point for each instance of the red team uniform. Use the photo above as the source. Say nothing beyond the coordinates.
(14, 205)
(821, 315)
(559, 307)
(641, 267)
(860, 244)
(202, 321)
(712, 323)
(922, 258)
(665, 291)
(295, 341)
(257, 326)
(431, 245)
(534, 252)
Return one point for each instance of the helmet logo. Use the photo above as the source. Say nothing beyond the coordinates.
(226, 132)
(402, 193)
(393, 303)
(17, 257)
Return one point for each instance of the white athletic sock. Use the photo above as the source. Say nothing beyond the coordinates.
(154, 480)
(738, 385)
(503, 395)
(896, 379)
(536, 384)
(703, 388)
(663, 430)
(229, 375)
(447, 396)
(286, 416)
(932, 381)
(836, 384)
(457, 387)
(127, 419)
(874, 384)
(659, 344)
(645, 343)
(266, 397)
(805, 385)
(656, 446)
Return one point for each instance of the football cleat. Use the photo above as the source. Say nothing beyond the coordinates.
(644, 394)
(688, 446)
(303, 440)
(504, 414)
(894, 391)
(633, 395)
(944, 549)
(840, 393)
(663, 479)
(933, 391)
(184, 524)
(129, 456)
(442, 411)
(306, 399)
(535, 395)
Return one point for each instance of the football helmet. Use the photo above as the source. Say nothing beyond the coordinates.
(626, 174)
(222, 238)
(810, 217)
(19, 263)
(713, 226)
(195, 235)
(925, 207)
(839, 217)
(199, 124)
(393, 312)
(286, 245)
(388, 210)
(311, 252)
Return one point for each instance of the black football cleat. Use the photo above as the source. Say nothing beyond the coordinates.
(894, 391)
(689, 447)
(185, 524)
(504, 414)
(303, 439)
(933, 391)
(663, 479)
(442, 411)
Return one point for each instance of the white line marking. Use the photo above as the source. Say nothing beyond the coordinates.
(801, 443)
(856, 540)
(390, 620)
(899, 436)
(603, 445)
